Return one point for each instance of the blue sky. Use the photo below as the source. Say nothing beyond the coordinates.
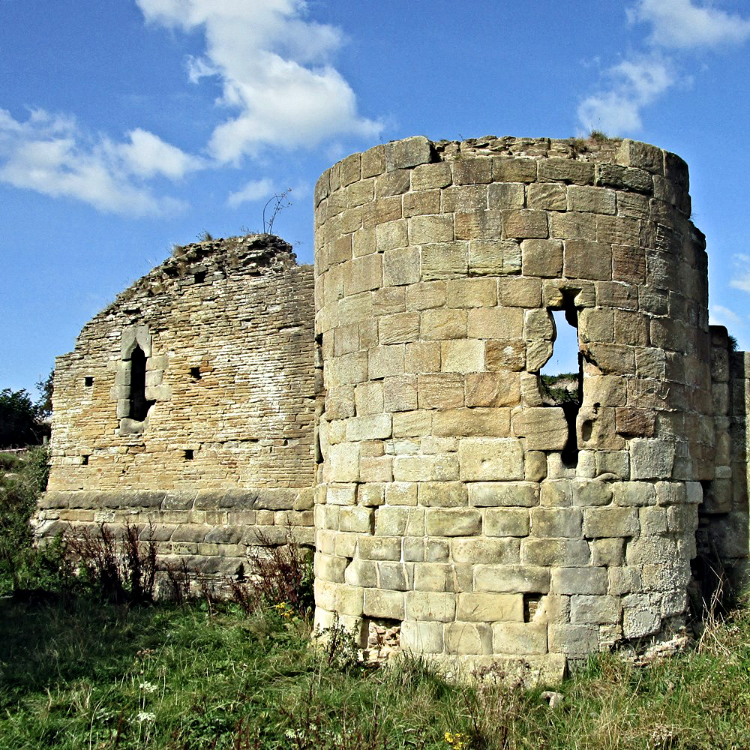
(130, 125)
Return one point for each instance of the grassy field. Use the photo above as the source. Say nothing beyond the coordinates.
(80, 672)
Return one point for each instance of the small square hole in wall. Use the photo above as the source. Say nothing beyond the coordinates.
(188, 454)
(88, 381)
(199, 277)
(84, 460)
(195, 373)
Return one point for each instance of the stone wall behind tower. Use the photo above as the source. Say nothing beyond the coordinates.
(226, 450)
(445, 508)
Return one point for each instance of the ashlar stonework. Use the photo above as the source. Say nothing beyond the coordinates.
(459, 505)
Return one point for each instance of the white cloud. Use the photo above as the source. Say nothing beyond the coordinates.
(723, 316)
(147, 155)
(253, 191)
(51, 155)
(642, 78)
(681, 24)
(632, 85)
(275, 71)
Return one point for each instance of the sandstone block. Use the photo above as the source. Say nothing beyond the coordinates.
(468, 638)
(394, 576)
(592, 200)
(519, 638)
(342, 494)
(542, 258)
(480, 422)
(634, 493)
(452, 522)
(549, 552)
(444, 324)
(379, 548)
(407, 153)
(401, 493)
(574, 640)
(443, 260)
(431, 176)
(587, 493)
(472, 171)
(440, 391)
(545, 428)
(651, 458)
(505, 355)
(520, 292)
(487, 551)
(510, 494)
(356, 519)
(587, 260)
(422, 637)
(548, 196)
(495, 323)
(398, 328)
(507, 195)
(610, 522)
(399, 521)
(473, 292)
(537, 354)
(383, 603)
(506, 522)
(400, 393)
(361, 573)
(518, 579)
(566, 170)
(385, 361)
(430, 606)
(479, 225)
(556, 522)
(608, 552)
(343, 463)
(401, 266)
(509, 169)
(462, 355)
(591, 581)
(490, 459)
(525, 224)
(572, 226)
(371, 427)
(492, 389)
(422, 356)
(493, 257)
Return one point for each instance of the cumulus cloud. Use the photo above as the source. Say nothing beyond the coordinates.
(252, 191)
(636, 82)
(275, 71)
(51, 155)
(633, 84)
(683, 25)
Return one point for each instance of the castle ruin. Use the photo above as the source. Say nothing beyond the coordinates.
(388, 408)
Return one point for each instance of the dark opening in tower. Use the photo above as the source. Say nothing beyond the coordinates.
(562, 375)
(139, 405)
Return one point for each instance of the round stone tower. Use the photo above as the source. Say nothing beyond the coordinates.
(464, 509)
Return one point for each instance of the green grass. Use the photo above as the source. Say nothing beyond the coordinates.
(77, 674)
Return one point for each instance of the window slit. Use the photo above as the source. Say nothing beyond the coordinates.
(562, 377)
(139, 405)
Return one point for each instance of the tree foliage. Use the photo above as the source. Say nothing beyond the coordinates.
(22, 422)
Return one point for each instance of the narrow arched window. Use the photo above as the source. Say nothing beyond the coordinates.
(139, 405)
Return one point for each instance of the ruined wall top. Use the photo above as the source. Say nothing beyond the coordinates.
(211, 259)
(604, 162)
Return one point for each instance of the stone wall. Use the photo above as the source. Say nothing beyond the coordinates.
(452, 502)
(217, 441)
